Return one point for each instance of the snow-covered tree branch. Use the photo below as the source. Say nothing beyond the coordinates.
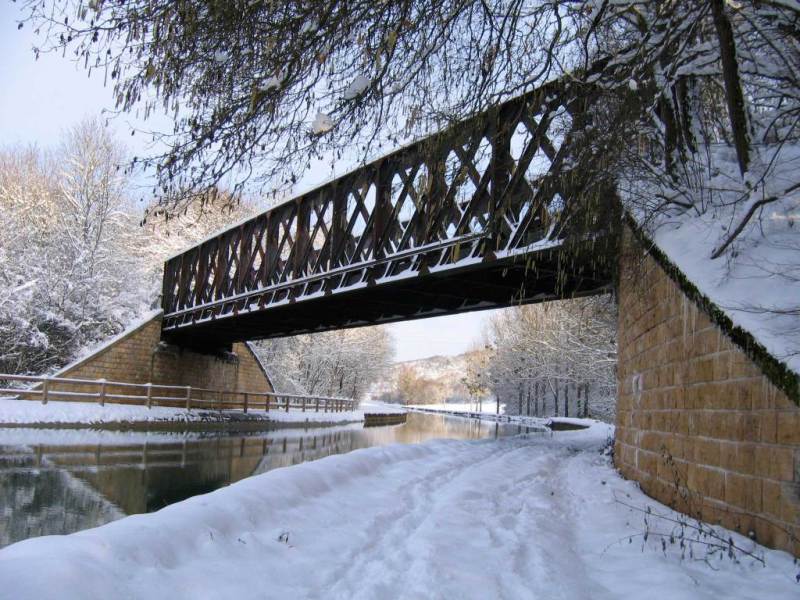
(65, 270)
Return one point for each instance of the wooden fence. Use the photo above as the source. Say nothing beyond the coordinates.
(101, 391)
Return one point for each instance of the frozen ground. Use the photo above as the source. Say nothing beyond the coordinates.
(28, 412)
(520, 517)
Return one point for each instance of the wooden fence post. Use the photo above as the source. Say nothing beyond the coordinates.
(188, 397)
(287, 403)
(102, 398)
(304, 405)
(149, 395)
(45, 386)
(245, 402)
(316, 405)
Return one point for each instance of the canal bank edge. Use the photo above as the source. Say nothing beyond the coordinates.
(213, 422)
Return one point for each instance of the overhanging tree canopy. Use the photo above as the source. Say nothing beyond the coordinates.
(257, 88)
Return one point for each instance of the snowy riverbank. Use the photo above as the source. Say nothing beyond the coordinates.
(31, 436)
(475, 411)
(532, 516)
(488, 411)
(487, 408)
(26, 412)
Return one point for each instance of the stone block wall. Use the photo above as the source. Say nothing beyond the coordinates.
(138, 357)
(699, 425)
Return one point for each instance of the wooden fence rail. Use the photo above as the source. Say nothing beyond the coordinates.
(101, 391)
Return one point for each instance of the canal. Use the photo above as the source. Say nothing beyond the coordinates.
(58, 481)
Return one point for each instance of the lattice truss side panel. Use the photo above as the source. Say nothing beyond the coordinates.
(482, 190)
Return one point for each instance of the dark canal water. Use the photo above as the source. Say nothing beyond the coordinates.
(62, 481)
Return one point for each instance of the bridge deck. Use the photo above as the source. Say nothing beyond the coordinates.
(472, 287)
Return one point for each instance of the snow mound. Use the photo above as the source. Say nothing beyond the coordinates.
(273, 83)
(357, 87)
(322, 123)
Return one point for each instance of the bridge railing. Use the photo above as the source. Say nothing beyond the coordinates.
(102, 392)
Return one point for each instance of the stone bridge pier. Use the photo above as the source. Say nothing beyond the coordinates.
(139, 356)
(707, 421)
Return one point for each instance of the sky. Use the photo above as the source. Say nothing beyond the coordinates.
(40, 98)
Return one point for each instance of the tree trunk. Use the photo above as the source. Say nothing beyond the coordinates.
(686, 97)
(733, 85)
(585, 400)
(666, 114)
(555, 400)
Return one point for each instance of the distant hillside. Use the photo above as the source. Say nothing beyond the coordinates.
(425, 381)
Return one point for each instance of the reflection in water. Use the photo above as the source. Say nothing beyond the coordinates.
(56, 481)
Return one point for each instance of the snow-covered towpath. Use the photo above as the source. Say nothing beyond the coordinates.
(520, 517)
